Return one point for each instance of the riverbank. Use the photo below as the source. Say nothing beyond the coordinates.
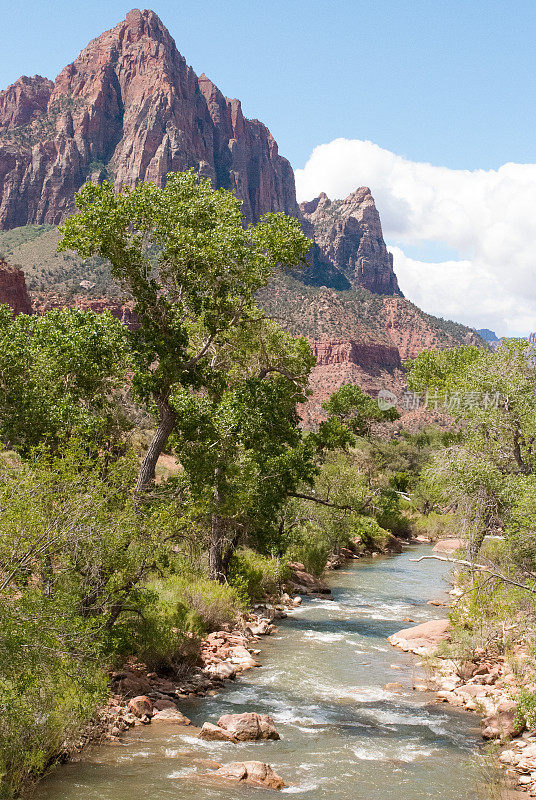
(324, 681)
(140, 696)
(485, 684)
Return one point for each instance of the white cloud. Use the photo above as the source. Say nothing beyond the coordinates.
(487, 217)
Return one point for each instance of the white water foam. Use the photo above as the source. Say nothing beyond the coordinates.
(323, 637)
(390, 718)
(406, 753)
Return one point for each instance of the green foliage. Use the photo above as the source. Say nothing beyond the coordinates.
(175, 612)
(357, 410)
(255, 576)
(312, 548)
(370, 533)
(440, 369)
(166, 247)
(484, 473)
(526, 708)
(58, 374)
(70, 556)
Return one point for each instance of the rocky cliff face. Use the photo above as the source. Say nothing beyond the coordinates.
(13, 289)
(349, 234)
(121, 311)
(339, 362)
(130, 108)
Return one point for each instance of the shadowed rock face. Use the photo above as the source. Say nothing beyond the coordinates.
(349, 234)
(130, 108)
(13, 289)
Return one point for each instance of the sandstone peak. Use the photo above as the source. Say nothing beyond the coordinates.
(349, 233)
(129, 108)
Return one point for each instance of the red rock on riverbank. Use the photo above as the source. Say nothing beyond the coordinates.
(421, 639)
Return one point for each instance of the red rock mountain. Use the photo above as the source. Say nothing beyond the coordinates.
(13, 289)
(349, 234)
(130, 108)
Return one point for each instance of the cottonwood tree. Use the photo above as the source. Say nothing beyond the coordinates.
(240, 445)
(59, 377)
(496, 408)
(355, 409)
(183, 254)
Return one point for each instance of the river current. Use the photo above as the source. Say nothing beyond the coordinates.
(344, 736)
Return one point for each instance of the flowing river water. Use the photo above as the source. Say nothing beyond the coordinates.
(343, 735)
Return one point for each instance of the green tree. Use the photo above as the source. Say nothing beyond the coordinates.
(497, 415)
(59, 376)
(240, 445)
(439, 370)
(192, 267)
(356, 409)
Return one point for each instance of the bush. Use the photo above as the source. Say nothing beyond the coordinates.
(254, 576)
(389, 515)
(526, 708)
(46, 692)
(370, 533)
(312, 549)
(435, 525)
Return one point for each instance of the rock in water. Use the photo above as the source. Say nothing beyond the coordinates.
(252, 772)
(249, 727)
(213, 733)
(421, 639)
(141, 706)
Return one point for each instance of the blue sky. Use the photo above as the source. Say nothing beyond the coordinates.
(431, 83)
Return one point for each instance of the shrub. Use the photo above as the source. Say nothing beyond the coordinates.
(254, 576)
(312, 549)
(370, 533)
(526, 708)
(435, 525)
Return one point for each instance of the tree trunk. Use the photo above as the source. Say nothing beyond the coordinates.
(166, 423)
(216, 550)
(475, 543)
(217, 556)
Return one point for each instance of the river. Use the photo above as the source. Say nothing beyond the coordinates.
(343, 735)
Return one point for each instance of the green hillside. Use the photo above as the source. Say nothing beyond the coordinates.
(33, 248)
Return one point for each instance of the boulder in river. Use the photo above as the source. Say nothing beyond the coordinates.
(250, 727)
(141, 706)
(504, 723)
(448, 546)
(213, 733)
(422, 639)
(171, 715)
(302, 582)
(252, 772)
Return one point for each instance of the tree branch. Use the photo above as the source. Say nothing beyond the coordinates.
(319, 500)
(282, 371)
(481, 568)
